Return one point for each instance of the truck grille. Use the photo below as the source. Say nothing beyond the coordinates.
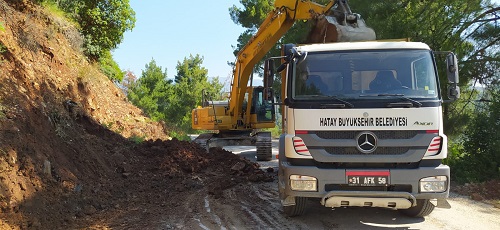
(378, 151)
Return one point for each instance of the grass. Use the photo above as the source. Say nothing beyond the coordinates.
(3, 48)
(137, 139)
(182, 136)
(2, 113)
(53, 9)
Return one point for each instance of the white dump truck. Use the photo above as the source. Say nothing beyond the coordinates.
(363, 126)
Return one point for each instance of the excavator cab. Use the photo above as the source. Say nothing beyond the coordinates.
(262, 109)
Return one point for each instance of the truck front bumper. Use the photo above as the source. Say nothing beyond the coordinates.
(332, 187)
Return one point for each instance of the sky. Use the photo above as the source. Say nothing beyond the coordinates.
(169, 31)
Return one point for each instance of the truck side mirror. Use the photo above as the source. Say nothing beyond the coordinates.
(452, 68)
(453, 92)
(452, 73)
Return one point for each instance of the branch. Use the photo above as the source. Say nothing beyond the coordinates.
(488, 20)
(484, 59)
(485, 47)
(478, 18)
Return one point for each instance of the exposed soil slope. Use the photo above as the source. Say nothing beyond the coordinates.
(65, 148)
(68, 159)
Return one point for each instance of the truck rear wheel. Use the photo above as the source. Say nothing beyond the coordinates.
(297, 209)
(423, 208)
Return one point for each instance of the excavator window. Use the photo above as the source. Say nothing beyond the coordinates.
(264, 109)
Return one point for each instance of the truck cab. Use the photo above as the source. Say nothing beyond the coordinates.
(362, 126)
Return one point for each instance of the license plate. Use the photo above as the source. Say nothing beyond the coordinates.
(367, 178)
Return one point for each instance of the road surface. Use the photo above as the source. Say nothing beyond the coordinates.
(256, 206)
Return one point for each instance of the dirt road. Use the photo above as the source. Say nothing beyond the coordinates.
(256, 206)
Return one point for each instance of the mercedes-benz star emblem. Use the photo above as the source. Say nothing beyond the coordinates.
(367, 142)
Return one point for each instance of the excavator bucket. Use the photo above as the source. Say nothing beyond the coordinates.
(340, 25)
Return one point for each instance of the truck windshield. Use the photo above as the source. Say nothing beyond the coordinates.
(365, 74)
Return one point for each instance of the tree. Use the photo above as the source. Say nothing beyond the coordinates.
(479, 159)
(152, 92)
(128, 79)
(470, 29)
(251, 16)
(102, 22)
(110, 68)
(190, 81)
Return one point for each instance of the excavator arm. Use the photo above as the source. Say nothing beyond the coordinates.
(277, 23)
(238, 120)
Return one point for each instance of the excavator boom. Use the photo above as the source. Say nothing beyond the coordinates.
(342, 26)
(248, 109)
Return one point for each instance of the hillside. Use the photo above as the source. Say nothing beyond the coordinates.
(75, 154)
(71, 154)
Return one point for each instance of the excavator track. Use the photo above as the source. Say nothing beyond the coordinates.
(264, 146)
(203, 139)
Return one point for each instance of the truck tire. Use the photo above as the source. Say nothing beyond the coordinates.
(423, 208)
(297, 209)
(264, 146)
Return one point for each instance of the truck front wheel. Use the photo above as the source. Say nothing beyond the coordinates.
(297, 209)
(423, 208)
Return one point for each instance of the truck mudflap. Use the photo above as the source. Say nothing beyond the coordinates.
(397, 200)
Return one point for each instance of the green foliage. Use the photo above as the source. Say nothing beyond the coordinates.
(470, 30)
(162, 100)
(2, 46)
(478, 159)
(191, 80)
(110, 68)
(275, 132)
(2, 111)
(179, 135)
(53, 7)
(137, 139)
(466, 28)
(252, 14)
(152, 92)
(102, 22)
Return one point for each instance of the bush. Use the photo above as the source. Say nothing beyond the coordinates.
(102, 22)
(110, 68)
(475, 157)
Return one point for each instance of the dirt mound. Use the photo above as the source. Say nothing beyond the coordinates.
(489, 190)
(69, 140)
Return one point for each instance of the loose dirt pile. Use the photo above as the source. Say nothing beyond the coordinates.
(489, 191)
(71, 154)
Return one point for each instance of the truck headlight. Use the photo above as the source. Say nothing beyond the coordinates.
(303, 183)
(434, 184)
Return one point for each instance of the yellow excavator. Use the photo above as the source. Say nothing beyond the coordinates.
(249, 109)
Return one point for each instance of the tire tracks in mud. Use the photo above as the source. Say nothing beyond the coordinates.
(249, 206)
